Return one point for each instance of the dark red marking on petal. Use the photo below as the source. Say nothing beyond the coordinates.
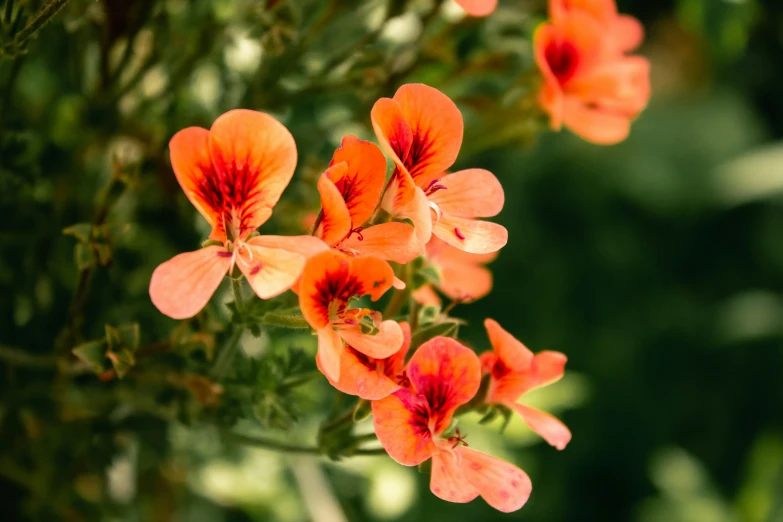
(224, 254)
(433, 187)
(499, 369)
(458, 233)
(256, 269)
(563, 59)
(420, 412)
(458, 439)
(420, 153)
(337, 286)
(403, 380)
(231, 193)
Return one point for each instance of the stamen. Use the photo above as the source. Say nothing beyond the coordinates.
(403, 380)
(458, 233)
(434, 187)
(358, 232)
(457, 439)
(436, 209)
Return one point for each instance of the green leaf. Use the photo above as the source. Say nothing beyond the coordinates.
(104, 253)
(291, 318)
(81, 231)
(429, 314)
(444, 329)
(211, 242)
(426, 275)
(362, 411)
(93, 353)
(84, 256)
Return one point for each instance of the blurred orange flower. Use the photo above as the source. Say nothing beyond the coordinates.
(234, 175)
(371, 378)
(329, 281)
(514, 371)
(590, 85)
(478, 7)
(411, 424)
(463, 276)
(350, 190)
(421, 129)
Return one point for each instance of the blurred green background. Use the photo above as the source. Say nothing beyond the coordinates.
(656, 265)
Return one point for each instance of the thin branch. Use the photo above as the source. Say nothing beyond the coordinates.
(19, 357)
(39, 20)
(264, 442)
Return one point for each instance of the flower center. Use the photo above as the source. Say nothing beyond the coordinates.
(563, 59)
(457, 439)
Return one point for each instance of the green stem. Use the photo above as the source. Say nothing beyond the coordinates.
(296, 321)
(263, 442)
(44, 15)
(223, 362)
(19, 357)
(396, 303)
(298, 380)
(236, 286)
(370, 452)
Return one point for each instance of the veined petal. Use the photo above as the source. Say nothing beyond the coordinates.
(478, 7)
(551, 429)
(361, 183)
(395, 136)
(254, 157)
(447, 481)
(417, 210)
(436, 128)
(447, 374)
(194, 171)
(471, 235)
(376, 275)
(469, 194)
(391, 241)
(336, 223)
(359, 375)
(330, 350)
(504, 486)
(183, 285)
(401, 423)
(383, 344)
(271, 271)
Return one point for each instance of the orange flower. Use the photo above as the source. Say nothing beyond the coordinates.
(411, 425)
(371, 378)
(590, 85)
(234, 175)
(350, 190)
(329, 281)
(514, 371)
(462, 276)
(478, 7)
(421, 129)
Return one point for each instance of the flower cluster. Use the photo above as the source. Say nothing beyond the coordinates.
(419, 230)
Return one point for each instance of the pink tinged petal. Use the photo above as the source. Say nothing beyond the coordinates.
(551, 429)
(471, 235)
(390, 241)
(271, 271)
(306, 246)
(417, 210)
(469, 193)
(401, 423)
(594, 124)
(447, 374)
(398, 283)
(504, 486)
(447, 481)
(629, 33)
(330, 349)
(383, 344)
(183, 285)
(548, 367)
(514, 355)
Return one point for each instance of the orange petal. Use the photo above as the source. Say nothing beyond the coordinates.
(447, 374)
(271, 271)
(514, 355)
(401, 425)
(306, 246)
(443, 254)
(183, 285)
(436, 126)
(417, 210)
(504, 486)
(447, 481)
(628, 33)
(336, 223)
(395, 136)
(330, 350)
(469, 194)
(426, 296)
(398, 283)
(375, 274)
(359, 376)
(471, 235)
(601, 10)
(478, 7)
(254, 157)
(361, 183)
(193, 167)
(548, 367)
(391, 241)
(324, 277)
(602, 127)
(465, 282)
(383, 344)
(551, 429)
